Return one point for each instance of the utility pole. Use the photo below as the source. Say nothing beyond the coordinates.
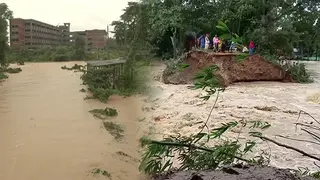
(108, 48)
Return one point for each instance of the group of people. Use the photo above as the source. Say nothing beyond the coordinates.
(218, 45)
(204, 42)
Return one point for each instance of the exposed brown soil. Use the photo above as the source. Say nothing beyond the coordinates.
(234, 173)
(253, 68)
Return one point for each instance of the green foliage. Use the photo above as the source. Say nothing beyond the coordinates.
(5, 16)
(3, 76)
(159, 155)
(274, 25)
(114, 129)
(98, 171)
(102, 83)
(207, 81)
(241, 57)
(11, 70)
(104, 113)
(299, 73)
(75, 67)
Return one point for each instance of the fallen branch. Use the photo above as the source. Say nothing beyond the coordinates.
(314, 135)
(288, 147)
(301, 111)
(308, 125)
(301, 140)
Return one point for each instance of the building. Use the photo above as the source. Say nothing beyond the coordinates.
(97, 39)
(31, 34)
(94, 39)
(65, 33)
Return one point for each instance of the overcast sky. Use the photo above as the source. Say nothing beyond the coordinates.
(82, 14)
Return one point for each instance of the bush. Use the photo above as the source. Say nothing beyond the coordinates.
(299, 73)
(102, 84)
(3, 76)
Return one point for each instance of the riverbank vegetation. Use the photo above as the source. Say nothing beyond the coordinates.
(75, 52)
(163, 27)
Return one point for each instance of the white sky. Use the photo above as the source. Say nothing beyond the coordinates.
(82, 14)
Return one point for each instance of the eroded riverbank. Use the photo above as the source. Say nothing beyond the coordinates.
(48, 133)
(177, 109)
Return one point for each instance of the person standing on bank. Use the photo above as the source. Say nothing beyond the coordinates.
(215, 42)
(207, 41)
(202, 41)
(251, 48)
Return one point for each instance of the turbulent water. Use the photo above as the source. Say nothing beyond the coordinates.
(179, 110)
(46, 131)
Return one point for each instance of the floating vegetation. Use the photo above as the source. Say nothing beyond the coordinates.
(98, 171)
(114, 129)
(104, 113)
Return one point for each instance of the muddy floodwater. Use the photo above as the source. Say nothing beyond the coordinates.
(47, 133)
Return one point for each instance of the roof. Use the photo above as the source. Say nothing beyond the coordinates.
(106, 62)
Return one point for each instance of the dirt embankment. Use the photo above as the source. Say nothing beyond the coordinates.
(253, 68)
(235, 173)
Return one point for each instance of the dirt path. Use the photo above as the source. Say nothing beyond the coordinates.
(46, 131)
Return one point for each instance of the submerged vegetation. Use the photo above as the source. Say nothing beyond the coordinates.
(114, 129)
(104, 113)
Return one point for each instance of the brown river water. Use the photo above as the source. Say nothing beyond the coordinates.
(46, 131)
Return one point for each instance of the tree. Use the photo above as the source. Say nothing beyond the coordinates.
(79, 45)
(5, 16)
(274, 25)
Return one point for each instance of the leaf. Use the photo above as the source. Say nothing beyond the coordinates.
(225, 36)
(222, 28)
(223, 25)
(255, 134)
(249, 145)
(205, 98)
(183, 66)
(217, 132)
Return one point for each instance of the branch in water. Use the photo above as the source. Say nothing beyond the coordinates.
(288, 147)
(301, 140)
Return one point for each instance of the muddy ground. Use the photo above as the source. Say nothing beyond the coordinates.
(231, 70)
(235, 173)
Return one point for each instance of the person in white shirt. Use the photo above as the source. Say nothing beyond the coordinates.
(207, 42)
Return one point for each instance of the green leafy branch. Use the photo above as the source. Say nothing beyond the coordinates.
(159, 155)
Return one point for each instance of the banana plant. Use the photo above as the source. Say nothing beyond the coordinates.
(227, 34)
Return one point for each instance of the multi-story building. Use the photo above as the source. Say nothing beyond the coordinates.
(65, 33)
(97, 39)
(30, 33)
(94, 39)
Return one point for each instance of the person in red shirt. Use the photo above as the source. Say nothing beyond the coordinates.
(251, 48)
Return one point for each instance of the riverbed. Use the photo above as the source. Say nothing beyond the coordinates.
(179, 110)
(46, 131)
